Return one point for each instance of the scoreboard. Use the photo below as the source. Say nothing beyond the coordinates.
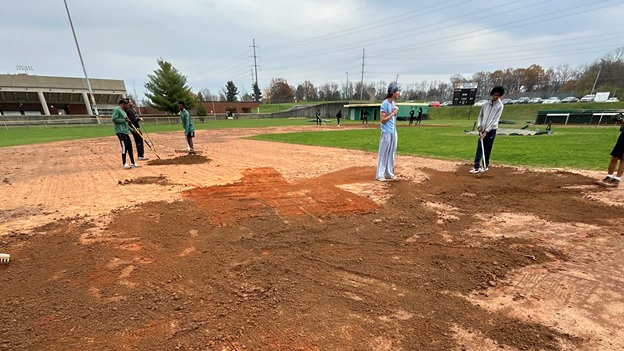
(464, 94)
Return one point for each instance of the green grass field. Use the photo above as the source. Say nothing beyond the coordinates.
(571, 147)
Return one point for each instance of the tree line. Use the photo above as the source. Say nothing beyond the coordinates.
(166, 86)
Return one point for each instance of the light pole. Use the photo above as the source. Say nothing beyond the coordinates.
(71, 24)
(347, 87)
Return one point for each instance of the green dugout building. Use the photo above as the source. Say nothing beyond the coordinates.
(356, 111)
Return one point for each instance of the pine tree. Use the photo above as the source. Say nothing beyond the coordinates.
(257, 94)
(167, 86)
(231, 91)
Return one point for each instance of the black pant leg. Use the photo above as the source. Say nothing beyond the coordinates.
(138, 141)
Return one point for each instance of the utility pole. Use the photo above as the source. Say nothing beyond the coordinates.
(71, 24)
(256, 70)
(396, 81)
(347, 88)
(596, 81)
(362, 80)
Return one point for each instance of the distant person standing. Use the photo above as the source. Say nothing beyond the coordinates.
(121, 120)
(617, 155)
(411, 118)
(189, 127)
(365, 117)
(487, 124)
(389, 137)
(318, 118)
(419, 118)
(136, 131)
(339, 116)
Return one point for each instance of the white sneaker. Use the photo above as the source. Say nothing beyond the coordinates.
(381, 179)
(127, 166)
(135, 165)
(473, 171)
(143, 158)
(481, 170)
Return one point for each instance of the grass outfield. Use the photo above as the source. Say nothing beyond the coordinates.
(569, 147)
(573, 147)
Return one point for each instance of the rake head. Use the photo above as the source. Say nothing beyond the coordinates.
(4, 258)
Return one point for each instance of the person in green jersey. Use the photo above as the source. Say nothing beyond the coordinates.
(189, 127)
(120, 120)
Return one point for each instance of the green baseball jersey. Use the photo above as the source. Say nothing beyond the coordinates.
(188, 125)
(119, 119)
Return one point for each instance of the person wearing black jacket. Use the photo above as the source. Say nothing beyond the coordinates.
(339, 116)
(136, 131)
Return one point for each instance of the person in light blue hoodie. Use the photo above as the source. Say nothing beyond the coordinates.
(389, 137)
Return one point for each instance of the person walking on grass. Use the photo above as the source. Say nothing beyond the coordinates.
(487, 124)
(617, 155)
(339, 116)
(121, 120)
(411, 118)
(136, 131)
(189, 127)
(389, 137)
(365, 117)
(319, 121)
(419, 118)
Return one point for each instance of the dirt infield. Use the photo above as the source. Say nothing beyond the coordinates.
(253, 246)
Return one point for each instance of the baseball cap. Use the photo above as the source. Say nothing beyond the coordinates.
(393, 88)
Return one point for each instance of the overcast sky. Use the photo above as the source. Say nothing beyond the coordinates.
(210, 41)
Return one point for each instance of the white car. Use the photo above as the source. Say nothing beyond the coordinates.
(481, 102)
(536, 101)
(613, 99)
(588, 98)
(552, 100)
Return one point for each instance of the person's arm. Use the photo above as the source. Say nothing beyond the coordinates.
(385, 117)
(186, 121)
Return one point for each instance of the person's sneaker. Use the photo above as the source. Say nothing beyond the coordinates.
(135, 165)
(481, 170)
(381, 179)
(127, 166)
(392, 177)
(605, 182)
(613, 184)
(143, 158)
(473, 171)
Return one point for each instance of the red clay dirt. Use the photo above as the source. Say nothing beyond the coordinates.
(301, 249)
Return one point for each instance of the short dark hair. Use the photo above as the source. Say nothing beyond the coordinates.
(181, 103)
(123, 101)
(498, 89)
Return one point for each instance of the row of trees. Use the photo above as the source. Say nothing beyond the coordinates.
(166, 86)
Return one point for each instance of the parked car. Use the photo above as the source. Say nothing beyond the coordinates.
(536, 101)
(588, 98)
(551, 100)
(447, 103)
(434, 104)
(523, 100)
(481, 102)
(613, 99)
(507, 101)
(570, 99)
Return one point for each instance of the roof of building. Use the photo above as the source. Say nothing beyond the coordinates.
(46, 82)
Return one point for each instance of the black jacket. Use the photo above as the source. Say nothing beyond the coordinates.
(134, 119)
